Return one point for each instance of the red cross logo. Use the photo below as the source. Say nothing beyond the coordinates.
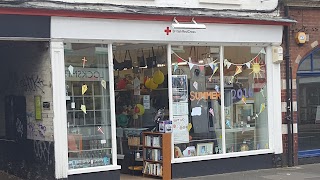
(168, 30)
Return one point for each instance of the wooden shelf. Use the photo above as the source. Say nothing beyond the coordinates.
(152, 161)
(152, 147)
(162, 166)
(152, 175)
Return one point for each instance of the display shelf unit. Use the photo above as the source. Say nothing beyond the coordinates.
(157, 154)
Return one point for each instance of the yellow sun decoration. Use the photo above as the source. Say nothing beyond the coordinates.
(256, 68)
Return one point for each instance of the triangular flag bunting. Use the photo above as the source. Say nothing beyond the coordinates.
(175, 67)
(179, 60)
(190, 65)
(201, 67)
(225, 62)
(238, 70)
(262, 107)
(263, 51)
(248, 64)
(215, 68)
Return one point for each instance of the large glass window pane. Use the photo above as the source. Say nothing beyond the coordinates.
(88, 106)
(245, 95)
(196, 101)
(141, 90)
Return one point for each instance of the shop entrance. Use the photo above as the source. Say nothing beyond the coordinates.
(308, 96)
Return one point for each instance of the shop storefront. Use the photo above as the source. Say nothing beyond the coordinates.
(219, 87)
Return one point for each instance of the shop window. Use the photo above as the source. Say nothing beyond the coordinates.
(196, 101)
(197, 104)
(141, 92)
(88, 106)
(245, 94)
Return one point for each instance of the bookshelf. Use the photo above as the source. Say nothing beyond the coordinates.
(157, 154)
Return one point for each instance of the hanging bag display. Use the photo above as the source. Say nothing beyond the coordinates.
(151, 60)
(140, 58)
(116, 64)
(161, 55)
(127, 63)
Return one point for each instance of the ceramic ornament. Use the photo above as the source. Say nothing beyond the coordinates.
(84, 61)
(84, 88)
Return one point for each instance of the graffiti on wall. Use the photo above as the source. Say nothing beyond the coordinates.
(42, 151)
(32, 83)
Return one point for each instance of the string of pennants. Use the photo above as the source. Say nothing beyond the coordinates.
(214, 65)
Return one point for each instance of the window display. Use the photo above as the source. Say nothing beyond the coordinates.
(141, 92)
(197, 100)
(245, 99)
(88, 106)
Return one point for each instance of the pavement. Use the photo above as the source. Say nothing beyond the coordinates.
(303, 172)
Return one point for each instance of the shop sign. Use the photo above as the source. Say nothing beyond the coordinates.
(87, 74)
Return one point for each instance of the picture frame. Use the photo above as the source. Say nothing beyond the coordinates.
(205, 149)
(242, 111)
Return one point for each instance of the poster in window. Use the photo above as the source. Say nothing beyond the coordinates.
(179, 88)
(180, 129)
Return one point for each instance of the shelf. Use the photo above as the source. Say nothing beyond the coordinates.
(152, 175)
(152, 147)
(152, 161)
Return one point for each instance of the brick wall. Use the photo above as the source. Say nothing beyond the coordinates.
(308, 22)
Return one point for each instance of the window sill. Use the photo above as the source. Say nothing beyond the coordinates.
(93, 169)
(221, 156)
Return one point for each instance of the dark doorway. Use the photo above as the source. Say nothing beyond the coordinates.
(308, 96)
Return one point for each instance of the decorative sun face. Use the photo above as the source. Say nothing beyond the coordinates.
(256, 68)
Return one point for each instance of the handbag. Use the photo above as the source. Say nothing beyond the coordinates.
(161, 56)
(151, 60)
(140, 59)
(127, 63)
(116, 64)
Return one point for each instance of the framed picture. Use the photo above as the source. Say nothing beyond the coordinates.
(204, 149)
(243, 111)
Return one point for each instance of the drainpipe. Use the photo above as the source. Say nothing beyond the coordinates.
(288, 89)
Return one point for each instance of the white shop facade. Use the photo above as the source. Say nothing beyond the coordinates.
(221, 81)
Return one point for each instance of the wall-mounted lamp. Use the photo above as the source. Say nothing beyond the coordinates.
(193, 25)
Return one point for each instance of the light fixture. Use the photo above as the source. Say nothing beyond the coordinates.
(193, 25)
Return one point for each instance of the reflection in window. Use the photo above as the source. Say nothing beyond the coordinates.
(88, 106)
(196, 101)
(245, 99)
